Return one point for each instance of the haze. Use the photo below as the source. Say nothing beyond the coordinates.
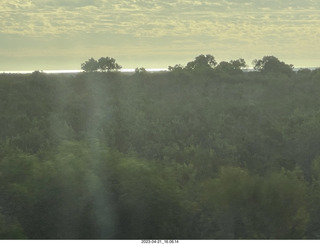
(59, 34)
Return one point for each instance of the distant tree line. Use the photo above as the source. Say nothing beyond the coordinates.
(268, 64)
(201, 63)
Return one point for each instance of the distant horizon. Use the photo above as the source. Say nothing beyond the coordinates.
(72, 71)
(47, 68)
(61, 71)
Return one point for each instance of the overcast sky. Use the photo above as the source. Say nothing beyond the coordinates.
(61, 34)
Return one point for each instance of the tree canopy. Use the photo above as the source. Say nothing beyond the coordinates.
(218, 154)
(232, 67)
(202, 62)
(103, 64)
(271, 64)
(108, 64)
(90, 66)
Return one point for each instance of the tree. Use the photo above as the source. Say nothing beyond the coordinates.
(177, 67)
(90, 66)
(140, 70)
(239, 63)
(232, 67)
(271, 64)
(283, 203)
(315, 74)
(249, 206)
(231, 201)
(202, 62)
(10, 229)
(109, 64)
(226, 67)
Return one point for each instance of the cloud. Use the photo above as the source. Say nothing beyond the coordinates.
(143, 25)
(150, 18)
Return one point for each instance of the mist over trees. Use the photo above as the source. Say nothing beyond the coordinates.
(203, 151)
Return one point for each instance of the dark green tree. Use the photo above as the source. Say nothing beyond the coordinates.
(239, 63)
(232, 67)
(10, 229)
(283, 204)
(271, 64)
(202, 62)
(108, 64)
(90, 66)
(316, 74)
(177, 67)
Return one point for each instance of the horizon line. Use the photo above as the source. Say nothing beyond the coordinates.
(60, 71)
(74, 71)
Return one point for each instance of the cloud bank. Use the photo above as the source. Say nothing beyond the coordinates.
(179, 26)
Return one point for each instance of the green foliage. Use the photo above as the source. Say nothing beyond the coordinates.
(284, 203)
(90, 66)
(272, 64)
(232, 199)
(205, 152)
(109, 64)
(315, 167)
(229, 68)
(246, 206)
(239, 63)
(103, 64)
(177, 67)
(10, 229)
(316, 75)
(201, 62)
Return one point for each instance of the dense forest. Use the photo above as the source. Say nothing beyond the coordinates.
(204, 151)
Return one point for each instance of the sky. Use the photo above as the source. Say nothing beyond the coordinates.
(62, 34)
